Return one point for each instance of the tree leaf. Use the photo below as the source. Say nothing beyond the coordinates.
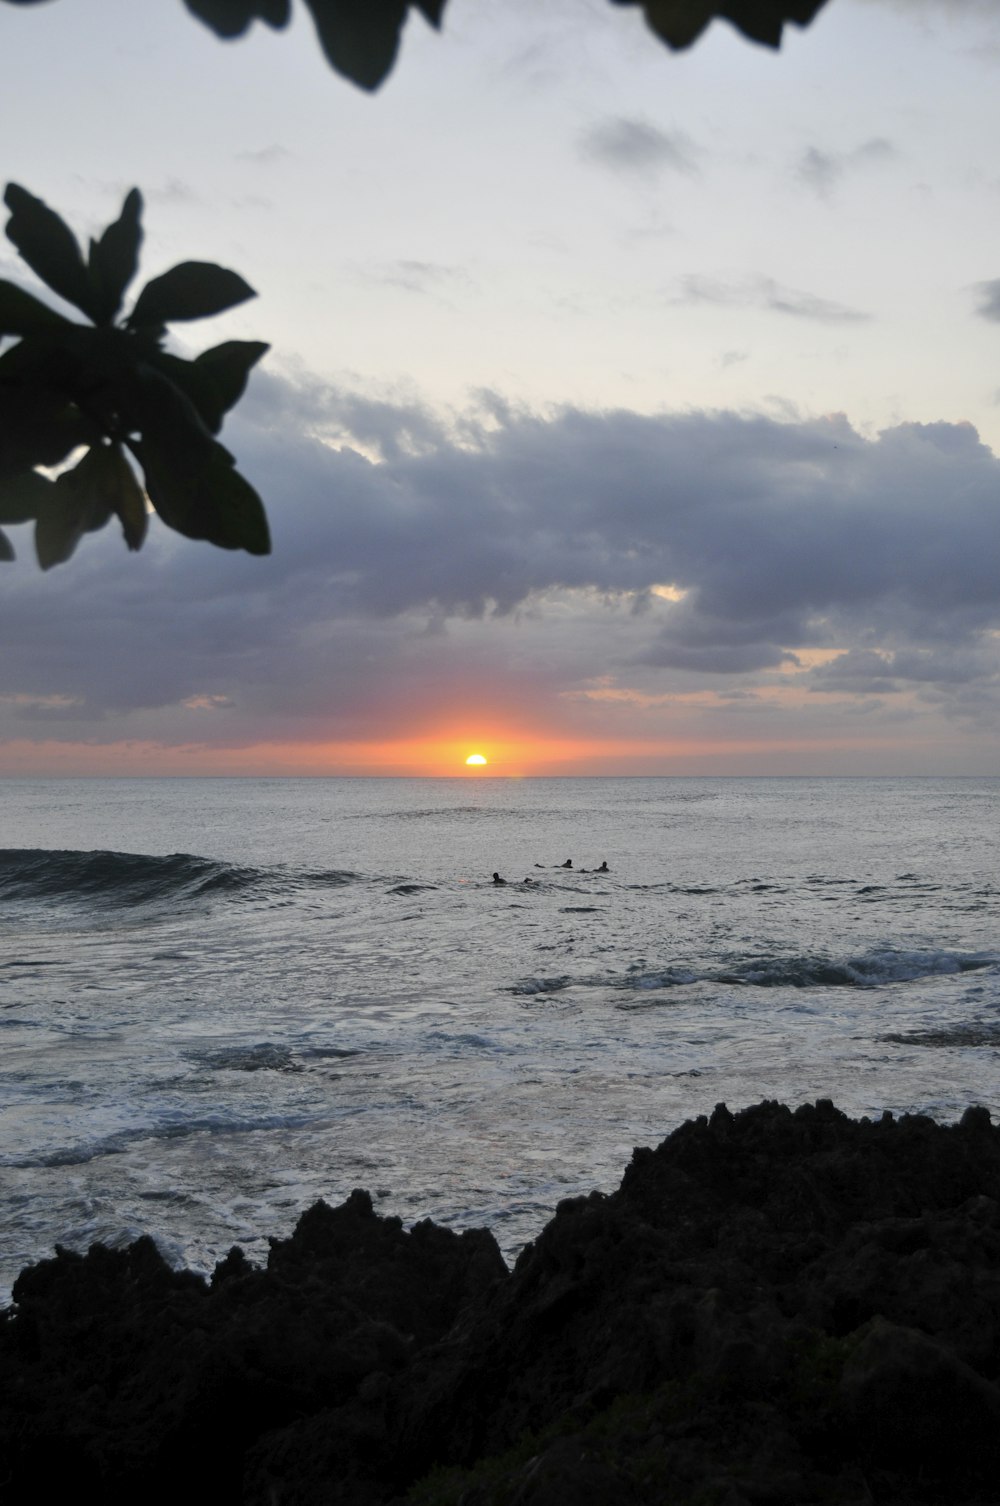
(230, 18)
(681, 22)
(762, 20)
(229, 366)
(47, 358)
(197, 386)
(48, 246)
(167, 418)
(6, 548)
(678, 22)
(432, 10)
(359, 37)
(113, 259)
(60, 526)
(81, 501)
(129, 501)
(95, 367)
(91, 482)
(218, 504)
(21, 313)
(191, 290)
(227, 18)
(106, 483)
(23, 496)
(216, 379)
(37, 427)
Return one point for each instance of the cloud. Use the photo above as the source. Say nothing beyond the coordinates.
(265, 156)
(859, 671)
(989, 299)
(174, 191)
(635, 146)
(823, 171)
(415, 276)
(808, 305)
(880, 672)
(497, 559)
(765, 293)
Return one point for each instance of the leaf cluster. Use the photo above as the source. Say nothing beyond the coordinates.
(360, 38)
(109, 388)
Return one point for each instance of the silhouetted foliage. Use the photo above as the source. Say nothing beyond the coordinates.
(109, 388)
(360, 38)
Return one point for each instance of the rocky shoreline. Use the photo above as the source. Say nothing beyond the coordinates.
(776, 1306)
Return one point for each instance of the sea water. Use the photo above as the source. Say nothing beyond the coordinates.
(223, 999)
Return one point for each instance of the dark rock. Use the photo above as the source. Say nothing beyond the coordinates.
(728, 1266)
(569, 1472)
(913, 1406)
(141, 1371)
(775, 1307)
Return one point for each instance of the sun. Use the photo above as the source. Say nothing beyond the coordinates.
(475, 758)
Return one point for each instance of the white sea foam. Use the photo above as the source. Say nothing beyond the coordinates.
(220, 1000)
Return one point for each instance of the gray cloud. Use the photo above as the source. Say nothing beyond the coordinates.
(822, 171)
(416, 276)
(860, 671)
(871, 672)
(765, 293)
(174, 191)
(808, 305)
(502, 557)
(716, 658)
(265, 156)
(988, 294)
(635, 146)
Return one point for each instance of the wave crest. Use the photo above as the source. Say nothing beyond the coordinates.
(119, 878)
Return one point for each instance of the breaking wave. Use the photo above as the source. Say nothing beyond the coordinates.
(116, 878)
(871, 970)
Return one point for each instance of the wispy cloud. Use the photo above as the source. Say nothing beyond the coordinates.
(765, 293)
(265, 156)
(174, 191)
(822, 171)
(414, 276)
(637, 147)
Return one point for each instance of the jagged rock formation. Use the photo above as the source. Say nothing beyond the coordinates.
(774, 1307)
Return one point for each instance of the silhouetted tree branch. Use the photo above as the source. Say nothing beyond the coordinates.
(112, 390)
(109, 387)
(360, 38)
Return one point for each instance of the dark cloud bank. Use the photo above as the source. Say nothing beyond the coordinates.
(416, 563)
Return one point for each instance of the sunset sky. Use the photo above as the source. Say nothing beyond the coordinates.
(626, 412)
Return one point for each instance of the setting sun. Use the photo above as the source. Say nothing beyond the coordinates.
(475, 758)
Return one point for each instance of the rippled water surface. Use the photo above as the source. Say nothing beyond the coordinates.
(221, 999)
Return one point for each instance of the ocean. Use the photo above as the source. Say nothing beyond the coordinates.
(223, 999)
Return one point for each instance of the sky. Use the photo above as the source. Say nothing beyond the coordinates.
(626, 412)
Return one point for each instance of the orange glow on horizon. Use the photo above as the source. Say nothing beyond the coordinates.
(515, 757)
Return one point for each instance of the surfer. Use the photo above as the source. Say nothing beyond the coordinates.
(568, 863)
(603, 868)
(498, 880)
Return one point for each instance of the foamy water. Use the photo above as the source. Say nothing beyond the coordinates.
(220, 1000)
